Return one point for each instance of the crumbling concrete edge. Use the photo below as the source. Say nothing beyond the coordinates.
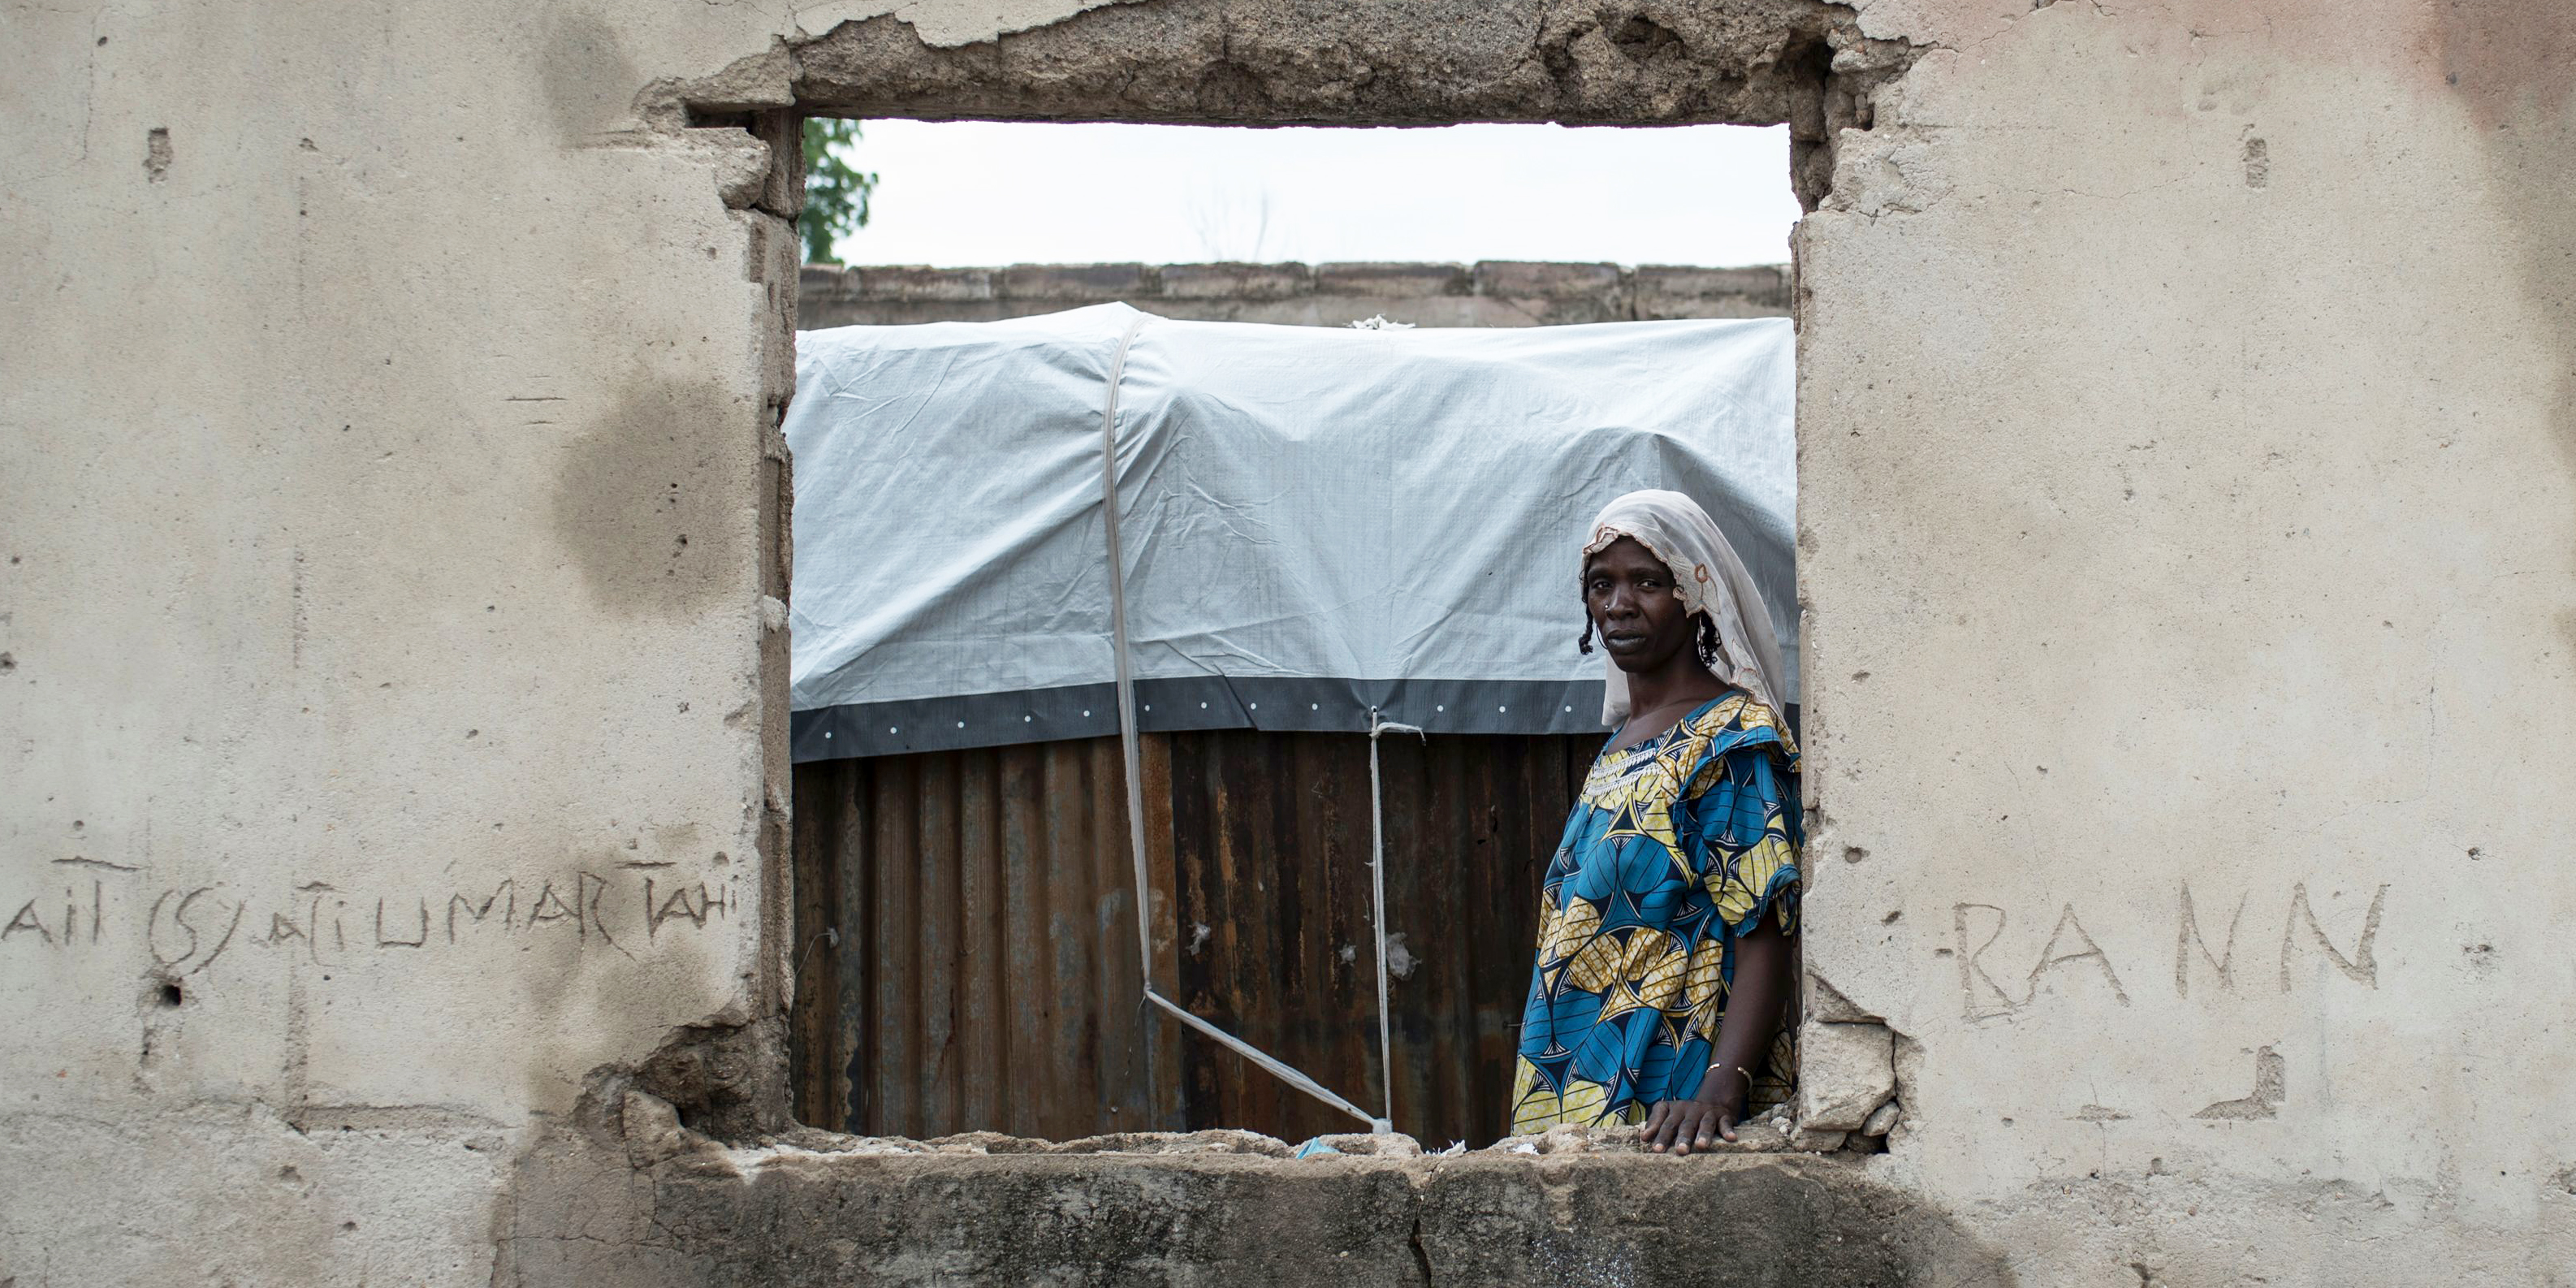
(741, 125)
(1807, 64)
(638, 1196)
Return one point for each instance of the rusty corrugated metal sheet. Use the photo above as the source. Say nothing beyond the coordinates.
(984, 977)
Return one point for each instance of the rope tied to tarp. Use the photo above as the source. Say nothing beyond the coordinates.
(1130, 747)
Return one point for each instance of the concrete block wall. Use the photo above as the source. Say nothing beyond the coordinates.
(1492, 293)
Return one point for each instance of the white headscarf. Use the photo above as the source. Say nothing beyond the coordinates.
(1709, 579)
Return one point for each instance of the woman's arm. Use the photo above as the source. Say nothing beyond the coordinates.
(1755, 1006)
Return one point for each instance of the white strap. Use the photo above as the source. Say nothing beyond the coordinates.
(1128, 744)
(1377, 881)
(1118, 633)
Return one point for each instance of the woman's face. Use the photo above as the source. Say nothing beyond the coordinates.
(1630, 595)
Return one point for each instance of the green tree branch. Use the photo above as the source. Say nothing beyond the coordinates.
(836, 193)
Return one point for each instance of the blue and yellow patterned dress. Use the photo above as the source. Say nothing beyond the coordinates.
(1677, 847)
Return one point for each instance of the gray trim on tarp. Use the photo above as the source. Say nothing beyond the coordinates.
(1209, 702)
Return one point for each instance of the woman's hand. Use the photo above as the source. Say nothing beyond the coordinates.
(1757, 1005)
(1681, 1126)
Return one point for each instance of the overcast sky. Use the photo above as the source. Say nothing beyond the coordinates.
(972, 193)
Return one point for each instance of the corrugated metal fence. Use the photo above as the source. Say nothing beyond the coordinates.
(985, 975)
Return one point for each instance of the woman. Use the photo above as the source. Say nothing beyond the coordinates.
(1667, 923)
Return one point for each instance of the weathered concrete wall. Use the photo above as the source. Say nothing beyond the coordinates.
(382, 611)
(2187, 425)
(1494, 293)
(2188, 461)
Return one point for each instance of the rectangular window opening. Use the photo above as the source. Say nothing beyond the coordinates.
(962, 859)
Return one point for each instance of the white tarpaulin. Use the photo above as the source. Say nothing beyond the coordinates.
(1314, 521)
